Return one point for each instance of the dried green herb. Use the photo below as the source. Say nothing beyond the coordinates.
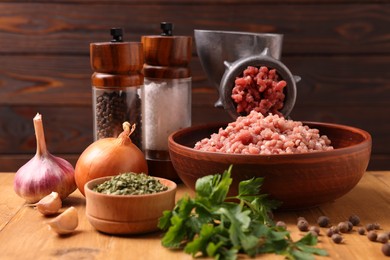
(211, 224)
(131, 184)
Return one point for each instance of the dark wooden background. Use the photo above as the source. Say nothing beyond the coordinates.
(340, 48)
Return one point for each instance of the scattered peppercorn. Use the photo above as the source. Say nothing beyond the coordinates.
(382, 238)
(370, 226)
(314, 229)
(281, 224)
(303, 225)
(337, 238)
(350, 226)
(323, 221)
(386, 249)
(361, 231)
(377, 226)
(372, 235)
(354, 219)
(332, 230)
(343, 227)
(313, 233)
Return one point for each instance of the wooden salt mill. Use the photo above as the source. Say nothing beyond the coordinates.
(166, 96)
(116, 85)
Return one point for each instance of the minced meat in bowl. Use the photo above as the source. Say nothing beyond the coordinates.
(265, 135)
(300, 167)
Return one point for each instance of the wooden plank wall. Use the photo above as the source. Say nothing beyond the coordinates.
(341, 49)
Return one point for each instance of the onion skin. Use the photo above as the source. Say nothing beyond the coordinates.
(109, 157)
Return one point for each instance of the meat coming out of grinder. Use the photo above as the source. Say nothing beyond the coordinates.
(259, 89)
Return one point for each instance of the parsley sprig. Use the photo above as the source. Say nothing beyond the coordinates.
(212, 224)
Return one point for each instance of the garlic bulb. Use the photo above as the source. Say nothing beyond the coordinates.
(49, 204)
(44, 173)
(66, 222)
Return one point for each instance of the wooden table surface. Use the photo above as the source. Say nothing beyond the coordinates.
(25, 235)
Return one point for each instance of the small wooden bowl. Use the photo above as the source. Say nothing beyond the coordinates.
(297, 180)
(127, 214)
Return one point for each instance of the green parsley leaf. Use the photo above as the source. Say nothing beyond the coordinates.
(214, 225)
(199, 244)
(249, 189)
(214, 187)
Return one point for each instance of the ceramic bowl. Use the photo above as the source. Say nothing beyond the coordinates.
(297, 180)
(127, 214)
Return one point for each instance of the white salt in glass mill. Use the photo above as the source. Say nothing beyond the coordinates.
(166, 96)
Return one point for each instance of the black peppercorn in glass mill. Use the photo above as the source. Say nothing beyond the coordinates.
(166, 96)
(116, 86)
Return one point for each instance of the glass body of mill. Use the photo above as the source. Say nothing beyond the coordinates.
(116, 86)
(166, 96)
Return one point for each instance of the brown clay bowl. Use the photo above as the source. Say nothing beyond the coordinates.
(297, 180)
(127, 214)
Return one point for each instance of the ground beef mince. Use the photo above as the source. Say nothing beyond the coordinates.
(259, 90)
(273, 134)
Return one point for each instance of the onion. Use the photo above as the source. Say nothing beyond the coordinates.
(44, 173)
(108, 157)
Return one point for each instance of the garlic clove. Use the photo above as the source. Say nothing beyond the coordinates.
(66, 222)
(49, 204)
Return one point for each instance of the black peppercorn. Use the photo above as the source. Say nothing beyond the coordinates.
(372, 235)
(303, 225)
(343, 227)
(332, 230)
(377, 226)
(382, 238)
(314, 229)
(386, 249)
(361, 231)
(354, 219)
(281, 224)
(313, 233)
(370, 226)
(373, 226)
(350, 226)
(337, 238)
(323, 221)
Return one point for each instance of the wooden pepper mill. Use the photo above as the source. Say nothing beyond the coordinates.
(116, 84)
(166, 96)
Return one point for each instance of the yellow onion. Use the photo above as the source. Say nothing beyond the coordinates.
(108, 157)
(44, 173)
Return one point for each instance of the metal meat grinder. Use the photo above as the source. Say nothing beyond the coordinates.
(224, 55)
